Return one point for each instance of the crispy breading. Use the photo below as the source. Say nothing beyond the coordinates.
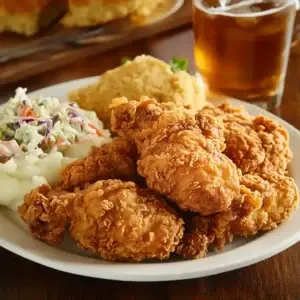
(118, 220)
(123, 222)
(116, 159)
(280, 198)
(203, 232)
(178, 158)
(264, 203)
(257, 145)
(45, 211)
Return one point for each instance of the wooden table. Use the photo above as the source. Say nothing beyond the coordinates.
(274, 278)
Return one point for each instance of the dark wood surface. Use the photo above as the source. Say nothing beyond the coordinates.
(275, 278)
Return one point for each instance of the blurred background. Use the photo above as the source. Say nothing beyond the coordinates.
(39, 35)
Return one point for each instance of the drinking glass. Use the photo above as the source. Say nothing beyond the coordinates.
(242, 47)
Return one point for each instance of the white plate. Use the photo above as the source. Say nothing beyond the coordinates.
(15, 237)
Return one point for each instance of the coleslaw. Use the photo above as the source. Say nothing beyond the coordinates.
(44, 125)
(38, 137)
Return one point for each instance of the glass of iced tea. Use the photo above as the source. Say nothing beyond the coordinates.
(242, 47)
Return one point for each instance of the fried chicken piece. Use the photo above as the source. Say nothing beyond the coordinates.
(45, 211)
(123, 222)
(264, 203)
(116, 219)
(113, 160)
(180, 153)
(203, 232)
(257, 145)
(280, 198)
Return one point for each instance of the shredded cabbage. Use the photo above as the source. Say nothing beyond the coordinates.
(42, 125)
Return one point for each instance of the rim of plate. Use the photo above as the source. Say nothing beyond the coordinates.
(253, 251)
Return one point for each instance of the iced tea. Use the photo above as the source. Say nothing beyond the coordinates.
(242, 47)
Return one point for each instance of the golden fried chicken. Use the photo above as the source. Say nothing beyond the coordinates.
(115, 219)
(115, 160)
(123, 222)
(257, 145)
(180, 153)
(264, 203)
(46, 212)
(279, 198)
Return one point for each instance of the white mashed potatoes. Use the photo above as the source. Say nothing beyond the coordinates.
(38, 137)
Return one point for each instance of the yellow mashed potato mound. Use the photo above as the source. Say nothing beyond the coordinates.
(144, 76)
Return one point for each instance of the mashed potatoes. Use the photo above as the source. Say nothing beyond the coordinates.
(38, 137)
(145, 75)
